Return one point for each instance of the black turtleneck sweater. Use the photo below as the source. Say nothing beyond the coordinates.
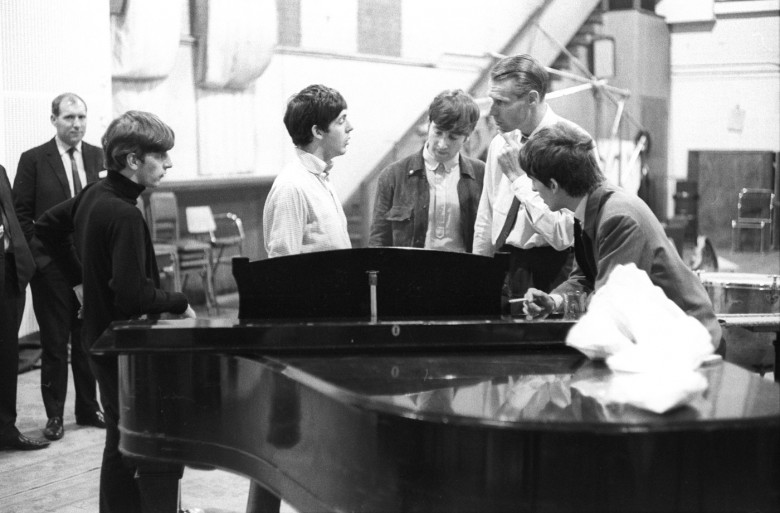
(101, 240)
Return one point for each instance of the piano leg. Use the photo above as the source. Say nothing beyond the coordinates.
(159, 487)
(261, 500)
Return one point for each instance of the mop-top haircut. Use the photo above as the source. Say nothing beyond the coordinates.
(135, 132)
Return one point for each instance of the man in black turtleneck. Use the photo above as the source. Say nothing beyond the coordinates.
(101, 236)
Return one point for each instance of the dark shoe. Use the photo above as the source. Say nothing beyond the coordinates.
(54, 429)
(20, 442)
(94, 420)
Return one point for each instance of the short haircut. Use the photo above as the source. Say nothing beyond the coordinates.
(135, 132)
(316, 105)
(526, 72)
(564, 153)
(56, 102)
(454, 111)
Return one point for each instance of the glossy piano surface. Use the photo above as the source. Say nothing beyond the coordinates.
(460, 427)
(438, 405)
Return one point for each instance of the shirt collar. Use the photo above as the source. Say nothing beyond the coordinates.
(431, 162)
(313, 164)
(579, 212)
(63, 148)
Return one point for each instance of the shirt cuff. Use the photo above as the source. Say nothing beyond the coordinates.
(558, 302)
(522, 188)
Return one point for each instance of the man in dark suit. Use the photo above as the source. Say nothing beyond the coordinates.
(47, 175)
(612, 227)
(16, 268)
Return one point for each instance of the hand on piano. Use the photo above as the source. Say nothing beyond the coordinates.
(538, 304)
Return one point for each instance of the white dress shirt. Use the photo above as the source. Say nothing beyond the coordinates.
(302, 213)
(536, 224)
(78, 157)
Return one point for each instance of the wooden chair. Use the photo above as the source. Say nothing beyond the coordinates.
(194, 256)
(167, 256)
(223, 231)
(755, 209)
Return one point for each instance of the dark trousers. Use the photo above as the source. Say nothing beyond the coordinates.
(11, 309)
(542, 268)
(56, 309)
(120, 491)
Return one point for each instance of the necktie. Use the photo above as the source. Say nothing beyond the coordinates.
(74, 170)
(511, 216)
(581, 250)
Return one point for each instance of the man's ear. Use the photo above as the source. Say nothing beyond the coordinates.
(133, 162)
(533, 97)
(554, 186)
(316, 132)
(53, 118)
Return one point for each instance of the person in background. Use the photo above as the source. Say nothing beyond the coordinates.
(429, 199)
(612, 227)
(16, 269)
(512, 218)
(302, 213)
(102, 237)
(47, 175)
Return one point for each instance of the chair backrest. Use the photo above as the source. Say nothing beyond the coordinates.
(228, 229)
(163, 216)
(755, 205)
(200, 220)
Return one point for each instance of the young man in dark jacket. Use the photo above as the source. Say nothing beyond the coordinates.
(430, 198)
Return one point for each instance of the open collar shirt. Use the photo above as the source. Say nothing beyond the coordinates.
(302, 213)
(444, 231)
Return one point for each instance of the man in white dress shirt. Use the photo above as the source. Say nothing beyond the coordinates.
(512, 218)
(302, 213)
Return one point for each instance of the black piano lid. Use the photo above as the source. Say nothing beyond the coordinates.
(411, 284)
(344, 336)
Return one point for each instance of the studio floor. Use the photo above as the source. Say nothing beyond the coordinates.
(64, 477)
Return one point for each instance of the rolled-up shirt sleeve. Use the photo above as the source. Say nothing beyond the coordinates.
(556, 228)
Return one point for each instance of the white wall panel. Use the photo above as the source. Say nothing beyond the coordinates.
(47, 48)
(732, 63)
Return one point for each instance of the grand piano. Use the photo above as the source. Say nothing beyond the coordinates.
(387, 379)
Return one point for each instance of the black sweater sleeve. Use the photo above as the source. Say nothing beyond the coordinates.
(135, 292)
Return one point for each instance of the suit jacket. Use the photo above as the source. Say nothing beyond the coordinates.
(403, 197)
(41, 182)
(25, 266)
(622, 229)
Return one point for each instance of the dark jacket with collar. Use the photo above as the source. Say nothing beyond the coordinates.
(41, 182)
(403, 197)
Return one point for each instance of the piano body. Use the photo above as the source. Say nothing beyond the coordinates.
(454, 410)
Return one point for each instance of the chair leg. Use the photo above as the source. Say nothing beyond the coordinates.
(177, 284)
(761, 239)
(208, 287)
